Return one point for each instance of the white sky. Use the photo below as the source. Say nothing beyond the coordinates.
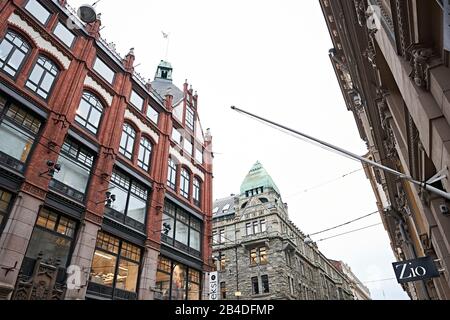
(270, 58)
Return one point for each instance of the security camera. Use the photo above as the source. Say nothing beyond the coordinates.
(444, 209)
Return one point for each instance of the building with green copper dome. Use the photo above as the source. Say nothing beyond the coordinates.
(262, 255)
(258, 178)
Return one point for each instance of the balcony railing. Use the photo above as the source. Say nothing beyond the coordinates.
(11, 162)
(106, 292)
(122, 218)
(67, 191)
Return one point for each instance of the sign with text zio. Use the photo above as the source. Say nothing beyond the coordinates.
(213, 286)
(447, 25)
(415, 270)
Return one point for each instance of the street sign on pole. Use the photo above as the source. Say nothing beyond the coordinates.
(415, 270)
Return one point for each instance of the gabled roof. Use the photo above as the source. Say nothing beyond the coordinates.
(225, 207)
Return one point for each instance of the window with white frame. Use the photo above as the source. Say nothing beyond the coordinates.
(127, 141)
(172, 174)
(104, 71)
(89, 112)
(42, 77)
(152, 114)
(185, 181)
(38, 11)
(13, 51)
(145, 154)
(64, 34)
(136, 100)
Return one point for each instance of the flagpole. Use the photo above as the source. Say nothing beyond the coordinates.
(424, 185)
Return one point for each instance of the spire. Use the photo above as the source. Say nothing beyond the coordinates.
(257, 178)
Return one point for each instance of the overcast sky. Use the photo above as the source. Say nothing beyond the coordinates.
(270, 58)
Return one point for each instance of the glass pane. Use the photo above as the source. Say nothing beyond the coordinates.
(72, 174)
(193, 291)
(128, 276)
(5, 199)
(15, 143)
(179, 283)
(168, 226)
(36, 75)
(182, 233)
(121, 199)
(106, 72)
(103, 268)
(64, 34)
(137, 100)
(5, 49)
(152, 114)
(16, 59)
(195, 240)
(47, 82)
(38, 11)
(52, 247)
(137, 209)
(163, 285)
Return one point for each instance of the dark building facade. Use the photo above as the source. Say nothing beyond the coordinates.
(261, 254)
(392, 63)
(105, 178)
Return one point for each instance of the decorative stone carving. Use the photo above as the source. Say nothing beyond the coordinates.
(42, 284)
(402, 24)
(419, 59)
(360, 8)
(34, 190)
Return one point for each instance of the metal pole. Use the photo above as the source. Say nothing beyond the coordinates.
(424, 185)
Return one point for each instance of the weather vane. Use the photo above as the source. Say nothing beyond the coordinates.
(166, 36)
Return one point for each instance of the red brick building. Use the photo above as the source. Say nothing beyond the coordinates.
(105, 178)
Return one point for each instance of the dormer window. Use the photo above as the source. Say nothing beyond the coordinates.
(226, 208)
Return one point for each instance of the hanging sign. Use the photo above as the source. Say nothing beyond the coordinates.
(415, 270)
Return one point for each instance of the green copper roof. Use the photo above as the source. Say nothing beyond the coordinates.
(258, 177)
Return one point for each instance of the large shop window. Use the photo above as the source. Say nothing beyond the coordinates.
(175, 281)
(18, 130)
(181, 230)
(115, 268)
(130, 206)
(76, 165)
(145, 154)
(42, 77)
(127, 141)
(5, 203)
(13, 51)
(52, 241)
(89, 112)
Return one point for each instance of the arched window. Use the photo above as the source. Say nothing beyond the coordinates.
(184, 183)
(13, 51)
(172, 174)
(42, 77)
(145, 154)
(127, 142)
(197, 192)
(89, 112)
